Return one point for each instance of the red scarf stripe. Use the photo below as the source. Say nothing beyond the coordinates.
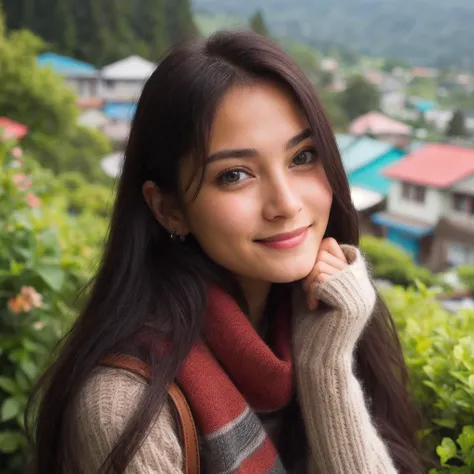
(229, 332)
(207, 389)
(262, 460)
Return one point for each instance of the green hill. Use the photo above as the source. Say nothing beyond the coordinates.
(428, 32)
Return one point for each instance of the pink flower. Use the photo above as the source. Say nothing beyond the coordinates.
(28, 299)
(39, 325)
(22, 181)
(17, 152)
(31, 296)
(15, 305)
(33, 200)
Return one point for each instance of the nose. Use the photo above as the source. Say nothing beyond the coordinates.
(282, 200)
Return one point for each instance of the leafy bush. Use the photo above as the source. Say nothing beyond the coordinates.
(44, 261)
(390, 262)
(439, 350)
(466, 275)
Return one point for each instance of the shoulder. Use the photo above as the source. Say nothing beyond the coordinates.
(105, 405)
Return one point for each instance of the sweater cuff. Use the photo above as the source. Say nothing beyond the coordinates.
(350, 290)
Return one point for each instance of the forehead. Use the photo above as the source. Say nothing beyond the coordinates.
(256, 116)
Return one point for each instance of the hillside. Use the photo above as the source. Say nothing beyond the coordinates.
(429, 32)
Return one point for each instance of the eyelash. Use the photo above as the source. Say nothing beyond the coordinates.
(220, 180)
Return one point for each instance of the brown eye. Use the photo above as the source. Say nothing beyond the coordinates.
(305, 157)
(233, 176)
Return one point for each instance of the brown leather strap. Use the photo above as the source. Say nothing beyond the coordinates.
(186, 426)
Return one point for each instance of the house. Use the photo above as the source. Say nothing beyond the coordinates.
(82, 77)
(382, 127)
(364, 160)
(11, 130)
(92, 118)
(430, 206)
(123, 80)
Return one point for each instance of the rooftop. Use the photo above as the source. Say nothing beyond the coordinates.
(12, 129)
(133, 68)
(376, 123)
(435, 165)
(66, 66)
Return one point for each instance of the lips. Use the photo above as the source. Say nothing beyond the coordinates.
(284, 236)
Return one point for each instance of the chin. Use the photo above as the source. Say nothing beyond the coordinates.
(291, 273)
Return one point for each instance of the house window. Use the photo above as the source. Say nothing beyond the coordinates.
(459, 254)
(412, 192)
(463, 203)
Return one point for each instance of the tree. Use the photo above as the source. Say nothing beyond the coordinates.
(151, 27)
(257, 24)
(39, 99)
(63, 29)
(359, 97)
(179, 21)
(456, 126)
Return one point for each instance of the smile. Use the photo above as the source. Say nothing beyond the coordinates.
(287, 240)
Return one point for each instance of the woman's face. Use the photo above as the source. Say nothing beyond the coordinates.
(263, 179)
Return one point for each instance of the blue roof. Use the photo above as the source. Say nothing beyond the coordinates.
(120, 111)
(424, 105)
(66, 66)
(392, 222)
(344, 140)
(370, 176)
(363, 151)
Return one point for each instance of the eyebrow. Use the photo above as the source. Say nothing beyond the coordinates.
(252, 152)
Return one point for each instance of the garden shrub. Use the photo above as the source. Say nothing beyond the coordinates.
(439, 350)
(392, 263)
(45, 259)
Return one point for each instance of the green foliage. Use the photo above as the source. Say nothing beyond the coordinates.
(466, 275)
(103, 31)
(359, 97)
(257, 24)
(439, 351)
(39, 99)
(45, 254)
(456, 126)
(391, 263)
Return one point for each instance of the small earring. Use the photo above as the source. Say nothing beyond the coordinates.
(175, 237)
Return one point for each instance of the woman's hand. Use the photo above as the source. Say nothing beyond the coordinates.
(329, 261)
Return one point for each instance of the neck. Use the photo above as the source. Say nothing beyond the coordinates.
(256, 294)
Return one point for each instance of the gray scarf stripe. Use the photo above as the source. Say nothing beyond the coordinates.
(227, 451)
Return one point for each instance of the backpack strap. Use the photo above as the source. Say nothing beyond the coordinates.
(186, 425)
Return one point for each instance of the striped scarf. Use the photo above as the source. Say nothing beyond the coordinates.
(230, 377)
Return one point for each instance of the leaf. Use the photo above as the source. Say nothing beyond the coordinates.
(10, 409)
(446, 450)
(8, 385)
(11, 441)
(470, 382)
(52, 275)
(446, 422)
(466, 439)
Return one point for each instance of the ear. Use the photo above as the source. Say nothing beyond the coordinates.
(165, 208)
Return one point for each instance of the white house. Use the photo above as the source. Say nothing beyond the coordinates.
(123, 80)
(430, 207)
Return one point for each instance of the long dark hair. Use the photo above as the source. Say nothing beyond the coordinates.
(145, 279)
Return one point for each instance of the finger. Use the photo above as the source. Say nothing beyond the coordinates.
(318, 269)
(325, 256)
(332, 246)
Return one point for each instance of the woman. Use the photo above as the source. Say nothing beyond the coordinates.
(231, 267)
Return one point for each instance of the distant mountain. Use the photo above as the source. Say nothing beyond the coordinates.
(424, 32)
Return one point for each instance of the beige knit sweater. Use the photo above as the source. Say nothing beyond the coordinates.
(342, 437)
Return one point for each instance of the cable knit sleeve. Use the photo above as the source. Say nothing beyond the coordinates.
(103, 409)
(341, 435)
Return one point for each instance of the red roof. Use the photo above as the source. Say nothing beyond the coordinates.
(438, 166)
(12, 129)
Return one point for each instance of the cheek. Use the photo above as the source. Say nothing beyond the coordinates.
(216, 219)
